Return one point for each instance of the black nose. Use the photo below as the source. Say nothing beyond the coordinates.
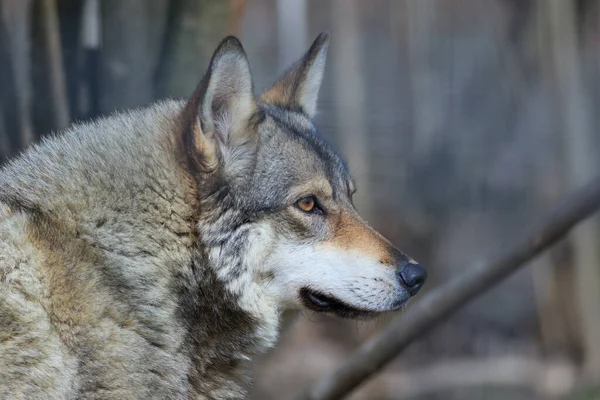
(412, 276)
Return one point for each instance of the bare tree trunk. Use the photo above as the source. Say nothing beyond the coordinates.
(88, 63)
(7, 125)
(349, 92)
(551, 282)
(17, 19)
(292, 29)
(54, 56)
(236, 15)
(132, 38)
(426, 97)
(195, 29)
(4, 143)
(581, 159)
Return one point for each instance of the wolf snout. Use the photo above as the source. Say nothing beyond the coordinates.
(412, 276)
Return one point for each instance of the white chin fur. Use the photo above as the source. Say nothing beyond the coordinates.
(348, 276)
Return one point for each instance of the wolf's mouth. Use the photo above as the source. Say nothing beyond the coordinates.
(320, 302)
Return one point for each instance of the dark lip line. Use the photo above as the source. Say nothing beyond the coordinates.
(339, 307)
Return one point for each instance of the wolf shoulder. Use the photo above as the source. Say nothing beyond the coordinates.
(33, 361)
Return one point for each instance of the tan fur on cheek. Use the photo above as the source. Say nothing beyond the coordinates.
(353, 234)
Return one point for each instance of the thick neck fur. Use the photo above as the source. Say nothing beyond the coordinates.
(178, 268)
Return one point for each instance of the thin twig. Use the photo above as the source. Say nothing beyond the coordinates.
(442, 302)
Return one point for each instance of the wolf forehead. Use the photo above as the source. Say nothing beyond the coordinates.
(293, 149)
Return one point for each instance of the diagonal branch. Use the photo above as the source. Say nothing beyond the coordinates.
(441, 303)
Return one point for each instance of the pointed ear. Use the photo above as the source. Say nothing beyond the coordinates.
(299, 87)
(217, 115)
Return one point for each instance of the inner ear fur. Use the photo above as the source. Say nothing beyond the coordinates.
(217, 117)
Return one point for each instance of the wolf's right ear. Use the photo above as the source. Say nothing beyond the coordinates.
(218, 113)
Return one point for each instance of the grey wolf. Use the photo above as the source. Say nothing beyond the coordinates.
(149, 254)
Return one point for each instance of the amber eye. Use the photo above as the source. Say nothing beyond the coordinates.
(308, 205)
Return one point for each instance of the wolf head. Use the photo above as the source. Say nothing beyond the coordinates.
(276, 211)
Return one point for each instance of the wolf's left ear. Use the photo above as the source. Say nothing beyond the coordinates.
(219, 112)
(298, 89)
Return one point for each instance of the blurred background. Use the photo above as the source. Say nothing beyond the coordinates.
(463, 122)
